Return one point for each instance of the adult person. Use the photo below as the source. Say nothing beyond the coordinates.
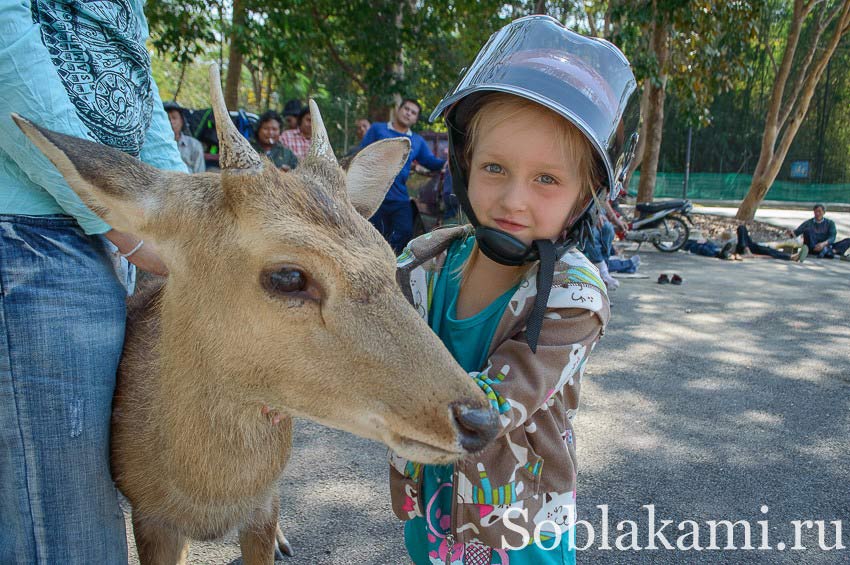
(267, 142)
(290, 113)
(191, 150)
(298, 139)
(746, 244)
(62, 307)
(394, 218)
(819, 235)
(361, 126)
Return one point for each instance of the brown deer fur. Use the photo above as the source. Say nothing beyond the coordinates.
(210, 345)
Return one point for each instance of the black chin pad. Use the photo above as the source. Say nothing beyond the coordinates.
(503, 248)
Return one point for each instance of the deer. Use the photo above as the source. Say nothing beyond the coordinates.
(280, 295)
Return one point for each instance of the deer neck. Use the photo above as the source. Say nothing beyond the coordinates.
(206, 418)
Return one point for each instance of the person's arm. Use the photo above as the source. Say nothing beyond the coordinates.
(801, 228)
(142, 254)
(427, 159)
(615, 219)
(832, 233)
(199, 165)
(518, 382)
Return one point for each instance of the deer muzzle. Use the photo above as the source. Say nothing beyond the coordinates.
(476, 426)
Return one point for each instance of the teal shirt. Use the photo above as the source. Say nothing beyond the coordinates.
(81, 69)
(469, 339)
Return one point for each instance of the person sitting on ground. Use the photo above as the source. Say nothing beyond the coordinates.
(298, 140)
(191, 150)
(819, 235)
(267, 142)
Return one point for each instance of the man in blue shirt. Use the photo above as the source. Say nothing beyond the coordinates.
(394, 219)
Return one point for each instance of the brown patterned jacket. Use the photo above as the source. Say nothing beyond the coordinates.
(531, 466)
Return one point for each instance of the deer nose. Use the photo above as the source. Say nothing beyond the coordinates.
(476, 426)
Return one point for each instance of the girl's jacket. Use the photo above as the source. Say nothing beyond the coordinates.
(526, 477)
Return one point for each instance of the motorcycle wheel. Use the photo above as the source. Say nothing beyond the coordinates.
(677, 233)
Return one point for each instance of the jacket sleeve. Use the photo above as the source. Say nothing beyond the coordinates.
(518, 382)
(832, 232)
(802, 227)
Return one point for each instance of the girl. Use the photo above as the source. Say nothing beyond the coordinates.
(535, 130)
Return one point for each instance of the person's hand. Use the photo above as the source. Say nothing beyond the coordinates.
(145, 256)
(820, 246)
(790, 233)
(147, 259)
(621, 224)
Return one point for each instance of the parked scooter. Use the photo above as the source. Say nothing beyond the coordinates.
(661, 223)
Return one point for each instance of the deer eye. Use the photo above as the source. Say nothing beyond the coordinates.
(286, 280)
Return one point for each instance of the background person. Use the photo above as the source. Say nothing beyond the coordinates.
(298, 140)
(191, 150)
(819, 235)
(267, 142)
(291, 110)
(62, 305)
(394, 218)
(361, 126)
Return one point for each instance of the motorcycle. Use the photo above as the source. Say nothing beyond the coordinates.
(661, 223)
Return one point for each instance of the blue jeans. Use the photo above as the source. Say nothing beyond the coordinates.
(598, 248)
(61, 331)
(394, 219)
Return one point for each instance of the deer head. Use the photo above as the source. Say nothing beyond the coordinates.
(280, 292)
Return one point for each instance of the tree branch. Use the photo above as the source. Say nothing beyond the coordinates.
(803, 76)
(334, 54)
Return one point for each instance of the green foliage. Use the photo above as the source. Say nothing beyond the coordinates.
(356, 56)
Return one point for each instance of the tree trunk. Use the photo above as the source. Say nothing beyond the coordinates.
(180, 80)
(655, 110)
(795, 108)
(641, 144)
(234, 60)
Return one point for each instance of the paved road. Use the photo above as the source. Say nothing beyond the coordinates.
(707, 400)
(786, 218)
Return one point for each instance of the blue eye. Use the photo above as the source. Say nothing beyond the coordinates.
(546, 179)
(493, 168)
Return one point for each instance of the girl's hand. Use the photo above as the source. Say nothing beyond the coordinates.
(145, 257)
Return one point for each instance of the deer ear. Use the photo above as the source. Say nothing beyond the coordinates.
(372, 171)
(125, 192)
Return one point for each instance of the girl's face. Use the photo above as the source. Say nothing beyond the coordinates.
(520, 181)
(269, 132)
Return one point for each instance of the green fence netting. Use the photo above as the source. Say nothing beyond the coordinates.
(714, 186)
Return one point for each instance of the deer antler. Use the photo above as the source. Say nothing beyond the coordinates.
(319, 144)
(234, 150)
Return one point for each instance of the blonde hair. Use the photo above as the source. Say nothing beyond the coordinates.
(574, 145)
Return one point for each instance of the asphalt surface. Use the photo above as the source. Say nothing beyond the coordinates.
(709, 400)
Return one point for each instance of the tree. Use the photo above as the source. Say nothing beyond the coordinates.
(787, 108)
